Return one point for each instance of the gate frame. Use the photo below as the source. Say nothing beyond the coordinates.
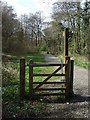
(31, 75)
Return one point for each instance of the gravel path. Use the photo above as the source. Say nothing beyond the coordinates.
(50, 58)
(80, 106)
(80, 76)
(80, 81)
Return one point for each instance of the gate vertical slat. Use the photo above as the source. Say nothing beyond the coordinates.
(30, 78)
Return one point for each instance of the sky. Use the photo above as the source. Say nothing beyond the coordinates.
(31, 6)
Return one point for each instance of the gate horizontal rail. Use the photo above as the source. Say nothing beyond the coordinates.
(50, 82)
(45, 64)
(48, 75)
(51, 89)
(48, 94)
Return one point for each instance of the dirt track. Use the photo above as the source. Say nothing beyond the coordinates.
(80, 76)
(77, 108)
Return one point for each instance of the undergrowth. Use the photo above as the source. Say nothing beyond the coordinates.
(12, 106)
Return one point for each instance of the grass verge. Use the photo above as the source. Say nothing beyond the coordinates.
(12, 106)
(79, 60)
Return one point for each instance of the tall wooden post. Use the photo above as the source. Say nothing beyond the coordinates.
(65, 42)
(22, 78)
(30, 78)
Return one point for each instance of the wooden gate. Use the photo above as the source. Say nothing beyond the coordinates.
(35, 87)
(33, 90)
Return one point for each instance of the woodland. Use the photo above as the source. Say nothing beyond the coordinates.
(28, 36)
(30, 33)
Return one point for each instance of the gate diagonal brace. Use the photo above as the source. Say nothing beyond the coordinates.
(49, 77)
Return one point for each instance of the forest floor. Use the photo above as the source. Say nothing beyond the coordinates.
(77, 107)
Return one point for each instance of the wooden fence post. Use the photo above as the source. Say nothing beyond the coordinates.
(30, 78)
(67, 71)
(22, 78)
(71, 76)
